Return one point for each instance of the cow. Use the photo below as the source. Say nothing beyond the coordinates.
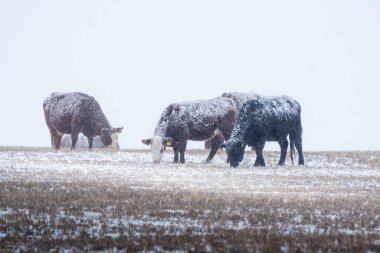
(266, 119)
(199, 120)
(73, 113)
(239, 98)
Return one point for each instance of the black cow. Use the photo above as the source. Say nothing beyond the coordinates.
(74, 113)
(198, 121)
(266, 119)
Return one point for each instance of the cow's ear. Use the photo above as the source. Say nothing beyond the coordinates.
(103, 131)
(168, 142)
(147, 141)
(223, 145)
(117, 130)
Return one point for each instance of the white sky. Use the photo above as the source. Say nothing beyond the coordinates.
(136, 57)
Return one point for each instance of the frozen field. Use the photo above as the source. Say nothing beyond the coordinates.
(111, 201)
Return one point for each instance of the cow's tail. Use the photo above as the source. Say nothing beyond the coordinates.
(291, 140)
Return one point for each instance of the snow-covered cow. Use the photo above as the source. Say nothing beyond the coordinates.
(198, 121)
(73, 113)
(266, 119)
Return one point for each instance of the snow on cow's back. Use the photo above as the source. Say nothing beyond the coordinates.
(199, 109)
(276, 106)
(280, 106)
(197, 112)
(59, 104)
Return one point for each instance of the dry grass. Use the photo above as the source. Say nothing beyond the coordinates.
(119, 201)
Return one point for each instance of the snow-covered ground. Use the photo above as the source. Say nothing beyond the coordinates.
(107, 200)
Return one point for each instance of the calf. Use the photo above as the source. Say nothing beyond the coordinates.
(73, 113)
(266, 119)
(200, 120)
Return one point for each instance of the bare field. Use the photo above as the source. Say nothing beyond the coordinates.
(119, 201)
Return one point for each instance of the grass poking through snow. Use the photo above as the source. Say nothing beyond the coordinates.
(96, 200)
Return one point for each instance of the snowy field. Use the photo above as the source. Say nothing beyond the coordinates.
(119, 201)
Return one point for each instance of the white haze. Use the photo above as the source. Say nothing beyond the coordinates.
(136, 57)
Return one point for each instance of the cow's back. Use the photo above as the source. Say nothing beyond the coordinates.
(267, 116)
(198, 117)
(204, 110)
(201, 112)
(60, 108)
(270, 109)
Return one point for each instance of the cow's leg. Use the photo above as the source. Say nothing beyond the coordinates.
(215, 143)
(259, 146)
(176, 151)
(182, 150)
(52, 138)
(74, 138)
(90, 141)
(58, 139)
(53, 132)
(55, 139)
(295, 136)
(284, 149)
(228, 124)
(298, 144)
(208, 144)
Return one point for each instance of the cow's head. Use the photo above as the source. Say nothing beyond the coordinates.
(109, 136)
(235, 151)
(158, 145)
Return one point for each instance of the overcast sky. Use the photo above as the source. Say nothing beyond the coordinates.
(136, 57)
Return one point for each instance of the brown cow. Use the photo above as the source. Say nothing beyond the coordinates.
(73, 113)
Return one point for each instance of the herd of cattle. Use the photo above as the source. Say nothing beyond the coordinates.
(232, 121)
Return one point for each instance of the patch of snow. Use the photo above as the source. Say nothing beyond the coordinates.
(7, 211)
(173, 211)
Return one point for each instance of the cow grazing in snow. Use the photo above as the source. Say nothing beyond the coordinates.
(266, 119)
(73, 113)
(200, 120)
